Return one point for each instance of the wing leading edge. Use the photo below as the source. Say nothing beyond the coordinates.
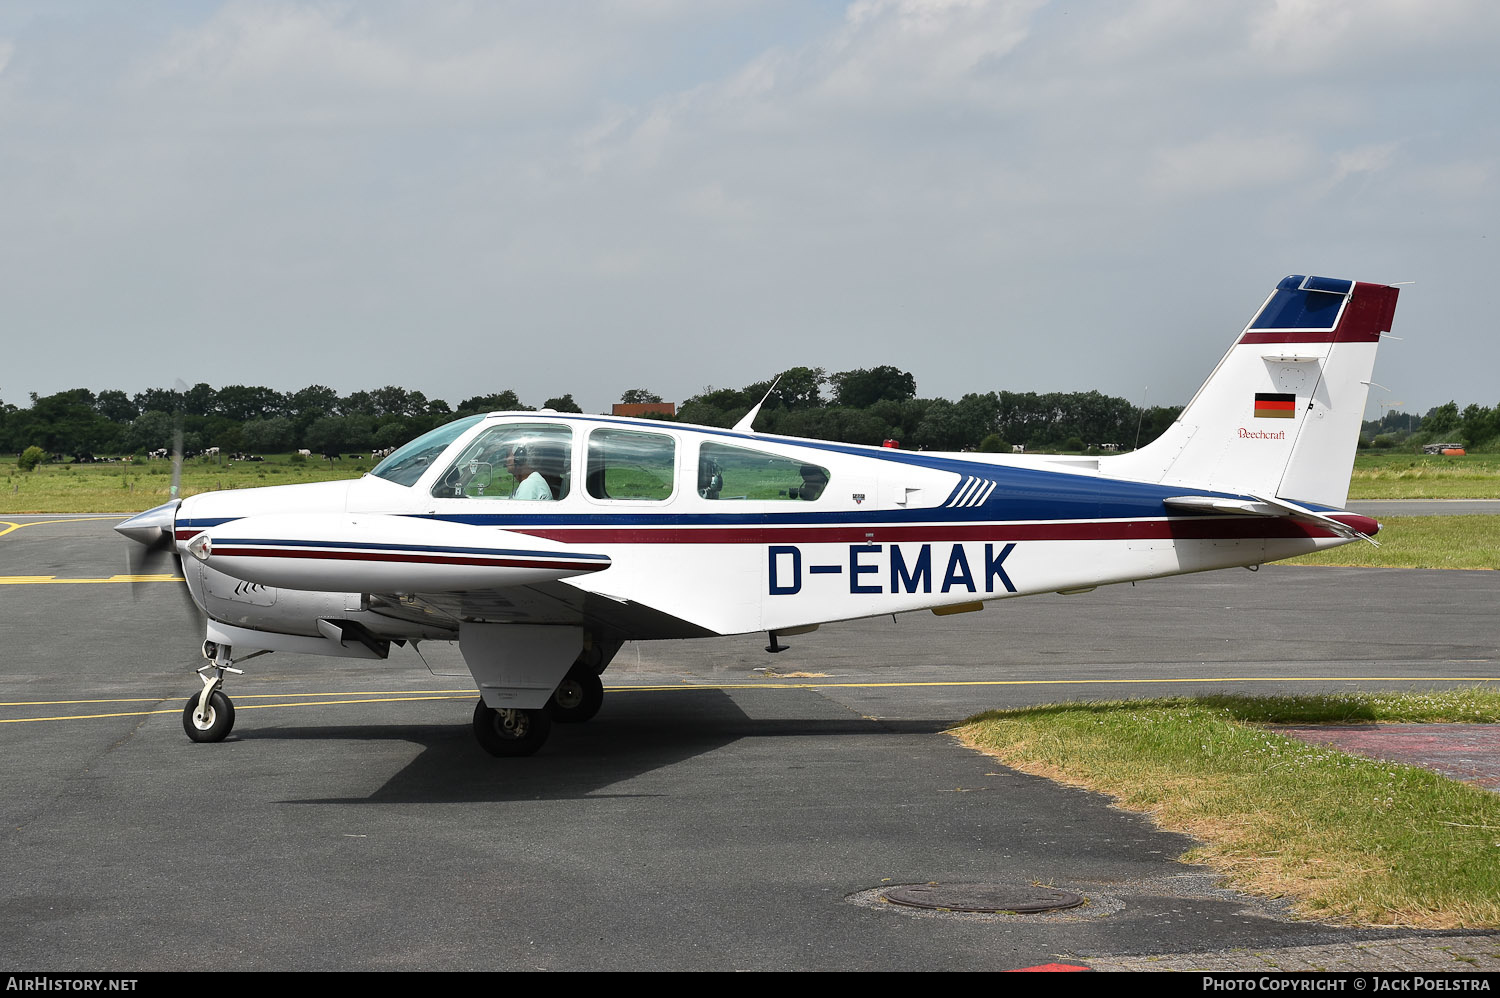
(374, 552)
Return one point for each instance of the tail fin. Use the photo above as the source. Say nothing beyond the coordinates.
(1280, 415)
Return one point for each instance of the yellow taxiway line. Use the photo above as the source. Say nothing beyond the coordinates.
(52, 580)
(238, 707)
(9, 525)
(407, 696)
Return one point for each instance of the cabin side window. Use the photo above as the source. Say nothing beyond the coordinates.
(729, 472)
(629, 464)
(512, 461)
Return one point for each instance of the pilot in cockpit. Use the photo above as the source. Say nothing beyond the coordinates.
(529, 481)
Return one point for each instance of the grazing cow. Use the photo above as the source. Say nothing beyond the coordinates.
(331, 455)
(159, 452)
(305, 452)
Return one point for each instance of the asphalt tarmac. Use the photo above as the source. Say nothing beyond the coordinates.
(721, 813)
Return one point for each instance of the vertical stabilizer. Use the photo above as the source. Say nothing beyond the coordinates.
(1280, 415)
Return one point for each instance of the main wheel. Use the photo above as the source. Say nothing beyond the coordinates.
(510, 731)
(214, 724)
(578, 697)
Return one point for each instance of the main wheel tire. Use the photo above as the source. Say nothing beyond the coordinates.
(577, 698)
(215, 724)
(511, 731)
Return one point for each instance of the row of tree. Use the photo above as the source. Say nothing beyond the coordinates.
(235, 418)
(868, 406)
(1474, 426)
(865, 405)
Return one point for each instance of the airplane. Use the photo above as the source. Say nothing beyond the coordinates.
(541, 541)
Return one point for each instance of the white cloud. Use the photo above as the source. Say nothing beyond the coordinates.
(332, 61)
(1364, 159)
(1228, 162)
(917, 183)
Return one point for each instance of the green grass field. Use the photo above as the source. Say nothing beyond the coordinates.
(117, 488)
(1420, 542)
(1384, 475)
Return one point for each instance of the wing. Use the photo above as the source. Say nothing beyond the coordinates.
(429, 571)
(541, 603)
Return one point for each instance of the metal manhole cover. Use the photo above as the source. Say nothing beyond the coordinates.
(1023, 899)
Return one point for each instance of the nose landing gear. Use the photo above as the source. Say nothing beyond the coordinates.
(209, 716)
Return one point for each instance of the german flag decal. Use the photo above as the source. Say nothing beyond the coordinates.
(1275, 405)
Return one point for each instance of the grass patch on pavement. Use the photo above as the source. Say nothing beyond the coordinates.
(1420, 542)
(1344, 838)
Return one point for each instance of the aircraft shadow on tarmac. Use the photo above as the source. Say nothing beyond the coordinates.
(635, 734)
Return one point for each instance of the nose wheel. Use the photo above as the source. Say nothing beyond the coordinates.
(209, 716)
(209, 723)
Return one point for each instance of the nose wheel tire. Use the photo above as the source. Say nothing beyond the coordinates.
(510, 731)
(577, 698)
(214, 723)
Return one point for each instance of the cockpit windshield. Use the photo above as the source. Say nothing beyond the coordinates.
(411, 461)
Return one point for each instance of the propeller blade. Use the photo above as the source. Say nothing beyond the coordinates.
(177, 443)
(155, 549)
(195, 612)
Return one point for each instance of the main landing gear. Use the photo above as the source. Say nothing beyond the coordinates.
(209, 716)
(509, 732)
(578, 697)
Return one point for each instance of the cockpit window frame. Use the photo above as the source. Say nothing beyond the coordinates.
(478, 465)
(798, 474)
(597, 465)
(433, 444)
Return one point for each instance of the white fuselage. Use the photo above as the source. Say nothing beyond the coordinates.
(892, 531)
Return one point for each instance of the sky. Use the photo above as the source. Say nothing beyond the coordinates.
(576, 197)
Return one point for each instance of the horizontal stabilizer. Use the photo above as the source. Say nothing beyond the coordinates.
(1349, 525)
(1222, 504)
(352, 552)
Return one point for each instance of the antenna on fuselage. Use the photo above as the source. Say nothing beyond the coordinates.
(1142, 418)
(744, 425)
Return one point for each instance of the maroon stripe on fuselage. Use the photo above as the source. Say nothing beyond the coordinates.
(1194, 528)
(407, 558)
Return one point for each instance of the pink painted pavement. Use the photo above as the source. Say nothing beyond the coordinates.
(1467, 752)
